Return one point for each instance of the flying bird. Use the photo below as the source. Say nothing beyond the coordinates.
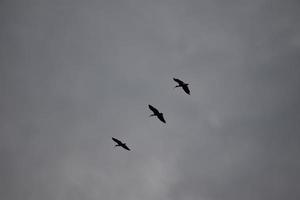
(157, 114)
(183, 85)
(119, 143)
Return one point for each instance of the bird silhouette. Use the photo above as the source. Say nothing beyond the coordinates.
(183, 85)
(157, 114)
(119, 143)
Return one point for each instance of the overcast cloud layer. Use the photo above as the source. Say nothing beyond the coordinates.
(75, 73)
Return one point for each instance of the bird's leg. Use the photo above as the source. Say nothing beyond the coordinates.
(117, 145)
(177, 86)
(151, 115)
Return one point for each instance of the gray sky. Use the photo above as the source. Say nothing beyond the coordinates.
(75, 73)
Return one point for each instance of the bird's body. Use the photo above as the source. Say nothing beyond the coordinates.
(119, 143)
(183, 85)
(156, 113)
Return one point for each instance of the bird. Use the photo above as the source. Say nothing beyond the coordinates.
(119, 143)
(183, 85)
(157, 114)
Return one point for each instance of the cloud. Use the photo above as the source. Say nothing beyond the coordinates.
(74, 74)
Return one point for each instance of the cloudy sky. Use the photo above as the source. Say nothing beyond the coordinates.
(75, 73)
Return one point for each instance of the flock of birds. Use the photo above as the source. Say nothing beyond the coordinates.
(156, 112)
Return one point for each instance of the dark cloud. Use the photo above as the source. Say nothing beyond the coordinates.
(74, 74)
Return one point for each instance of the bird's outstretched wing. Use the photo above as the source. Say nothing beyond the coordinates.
(186, 89)
(178, 81)
(117, 141)
(161, 118)
(154, 110)
(125, 147)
